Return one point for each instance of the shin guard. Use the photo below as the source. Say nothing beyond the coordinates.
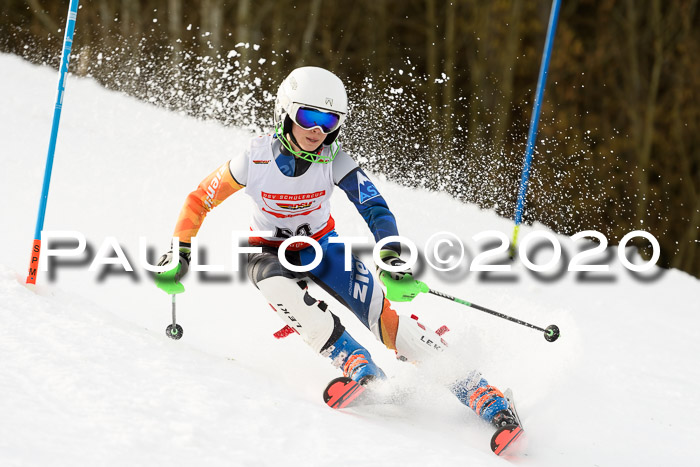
(300, 311)
(415, 342)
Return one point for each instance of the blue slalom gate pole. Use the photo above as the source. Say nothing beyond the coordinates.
(62, 71)
(535, 118)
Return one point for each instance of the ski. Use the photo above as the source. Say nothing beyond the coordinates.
(343, 392)
(509, 440)
(511, 403)
(506, 440)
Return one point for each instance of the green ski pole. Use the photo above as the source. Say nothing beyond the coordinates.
(166, 282)
(407, 289)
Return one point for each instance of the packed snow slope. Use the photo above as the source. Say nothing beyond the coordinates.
(89, 378)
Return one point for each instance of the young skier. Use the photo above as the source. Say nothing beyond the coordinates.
(290, 175)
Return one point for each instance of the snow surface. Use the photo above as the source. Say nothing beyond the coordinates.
(89, 378)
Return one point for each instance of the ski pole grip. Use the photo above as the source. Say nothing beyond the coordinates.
(166, 281)
(403, 290)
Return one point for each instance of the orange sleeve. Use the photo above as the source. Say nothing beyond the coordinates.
(211, 192)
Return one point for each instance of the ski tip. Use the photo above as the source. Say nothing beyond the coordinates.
(341, 392)
(508, 441)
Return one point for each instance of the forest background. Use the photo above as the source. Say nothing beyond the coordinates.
(441, 92)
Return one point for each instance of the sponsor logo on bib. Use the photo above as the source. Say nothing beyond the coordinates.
(283, 205)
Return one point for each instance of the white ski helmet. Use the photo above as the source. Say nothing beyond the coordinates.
(307, 89)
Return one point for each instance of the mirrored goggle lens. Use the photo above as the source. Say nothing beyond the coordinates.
(308, 118)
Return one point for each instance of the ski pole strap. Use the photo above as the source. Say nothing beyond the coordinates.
(403, 290)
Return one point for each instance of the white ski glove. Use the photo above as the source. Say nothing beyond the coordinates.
(392, 258)
(182, 267)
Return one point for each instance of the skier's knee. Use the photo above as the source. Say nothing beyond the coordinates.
(411, 340)
(415, 342)
(264, 265)
(300, 311)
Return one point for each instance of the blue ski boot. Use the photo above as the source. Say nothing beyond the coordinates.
(355, 361)
(485, 400)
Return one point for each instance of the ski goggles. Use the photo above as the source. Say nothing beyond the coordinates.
(309, 118)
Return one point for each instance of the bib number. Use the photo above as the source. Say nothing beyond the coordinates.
(304, 230)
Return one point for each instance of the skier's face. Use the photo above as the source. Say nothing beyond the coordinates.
(309, 140)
